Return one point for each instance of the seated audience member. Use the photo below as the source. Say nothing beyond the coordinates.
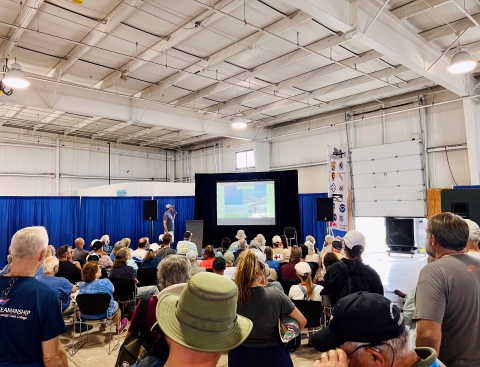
(279, 253)
(311, 257)
(208, 257)
(260, 241)
(209, 301)
(370, 329)
(239, 236)
(230, 268)
(337, 246)
(242, 246)
(328, 260)
(62, 286)
(118, 245)
(173, 271)
(7, 267)
(448, 297)
(310, 238)
(31, 321)
(92, 284)
(271, 274)
(106, 247)
(352, 266)
(226, 243)
(121, 270)
(151, 260)
(287, 271)
(192, 258)
(51, 251)
(264, 306)
(66, 268)
(473, 238)
(327, 245)
(273, 264)
(139, 254)
(104, 261)
(166, 250)
(306, 290)
(79, 253)
(219, 265)
(186, 245)
(285, 241)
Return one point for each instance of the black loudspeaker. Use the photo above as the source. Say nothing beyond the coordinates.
(325, 209)
(150, 210)
(400, 231)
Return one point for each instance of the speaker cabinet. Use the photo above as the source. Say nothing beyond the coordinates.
(150, 210)
(325, 209)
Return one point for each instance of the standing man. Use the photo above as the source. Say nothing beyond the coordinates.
(169, 220)
(79, 253)
(31, 319)
(448, 297)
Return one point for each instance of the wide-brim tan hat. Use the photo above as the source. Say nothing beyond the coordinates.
(203, 318)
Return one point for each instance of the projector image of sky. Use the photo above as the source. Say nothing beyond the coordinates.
(251, 199)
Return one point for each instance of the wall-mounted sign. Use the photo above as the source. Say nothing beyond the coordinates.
(121, 192)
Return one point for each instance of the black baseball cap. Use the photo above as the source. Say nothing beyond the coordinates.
(337, 244)
(97, 245)
(363, 318)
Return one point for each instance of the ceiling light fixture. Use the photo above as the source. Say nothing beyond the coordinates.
(462, 62)
(15, 78)
(239, 122)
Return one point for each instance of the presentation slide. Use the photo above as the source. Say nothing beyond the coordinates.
(246, 203)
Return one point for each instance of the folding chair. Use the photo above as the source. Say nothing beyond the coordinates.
(92, 304)
(287, 284)
(291, 234)
(313, 312)
(125, 291)
(147, 277)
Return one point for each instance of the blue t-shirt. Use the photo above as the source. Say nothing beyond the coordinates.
(29, 316)
(107, 248)
(151, 264)
(40, 271)
(60, 285)
(274, 264)
(168, 217)
(98, 286)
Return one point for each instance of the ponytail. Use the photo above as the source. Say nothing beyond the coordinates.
(248, 269)
(308, 285)
(149, 255)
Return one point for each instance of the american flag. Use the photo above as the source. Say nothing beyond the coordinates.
(3, 301)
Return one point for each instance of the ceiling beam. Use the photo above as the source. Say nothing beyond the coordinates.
(196, 24)
(52, 116)
(296, 80)
(120, 13)
(26, 15)
(81, 125)
(158, 139)
(446, 30)
(341, 102)
(11, 113)
(111, 129)
(229, 51)
(472, 48)
(286, 59)
(138, 134)
(346, 84)
(416, 7)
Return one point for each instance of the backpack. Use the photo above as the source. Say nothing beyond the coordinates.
(138, 343)
(354, 281)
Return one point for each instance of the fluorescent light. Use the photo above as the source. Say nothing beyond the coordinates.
(239, 122)
(462, 62)
(15, 78)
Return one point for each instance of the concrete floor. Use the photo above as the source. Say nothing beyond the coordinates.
(396, 271)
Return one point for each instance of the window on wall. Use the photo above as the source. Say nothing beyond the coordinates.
(245, 159)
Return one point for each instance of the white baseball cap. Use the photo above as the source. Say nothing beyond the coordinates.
(154, 247)
(168, 206)
(303, 269)
(354, 238)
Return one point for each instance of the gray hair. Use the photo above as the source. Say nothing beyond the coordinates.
(474, 236)
(174, 269)
(400, 345)
(242, 244)
(49, 264)
(309, 245)
(105, 238)
(254, 244)
(450, 230)
(229, 257)
(29, 242)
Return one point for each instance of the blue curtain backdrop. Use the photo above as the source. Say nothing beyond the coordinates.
(58, 214)
(308, 219)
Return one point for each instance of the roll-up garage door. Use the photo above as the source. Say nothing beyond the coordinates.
(388, 180)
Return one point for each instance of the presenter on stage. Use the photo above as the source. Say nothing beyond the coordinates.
(169, 220)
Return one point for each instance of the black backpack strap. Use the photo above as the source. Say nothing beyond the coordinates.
(344, 270)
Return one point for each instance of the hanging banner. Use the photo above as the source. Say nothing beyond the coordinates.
(338, 187)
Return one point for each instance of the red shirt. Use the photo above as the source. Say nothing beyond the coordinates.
(288, 272)
(207, 263)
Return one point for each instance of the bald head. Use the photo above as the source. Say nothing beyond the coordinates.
(79, 243)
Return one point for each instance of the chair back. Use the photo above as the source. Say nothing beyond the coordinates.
(139, 264)
(93, 304)
(124, 289)
(312, 310)
(290, 232)
(147, 277)
(74, 278)
(287, 284)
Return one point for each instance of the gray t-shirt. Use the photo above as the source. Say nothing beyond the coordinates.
(168, 217)
(448, 292)
(264, 308)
